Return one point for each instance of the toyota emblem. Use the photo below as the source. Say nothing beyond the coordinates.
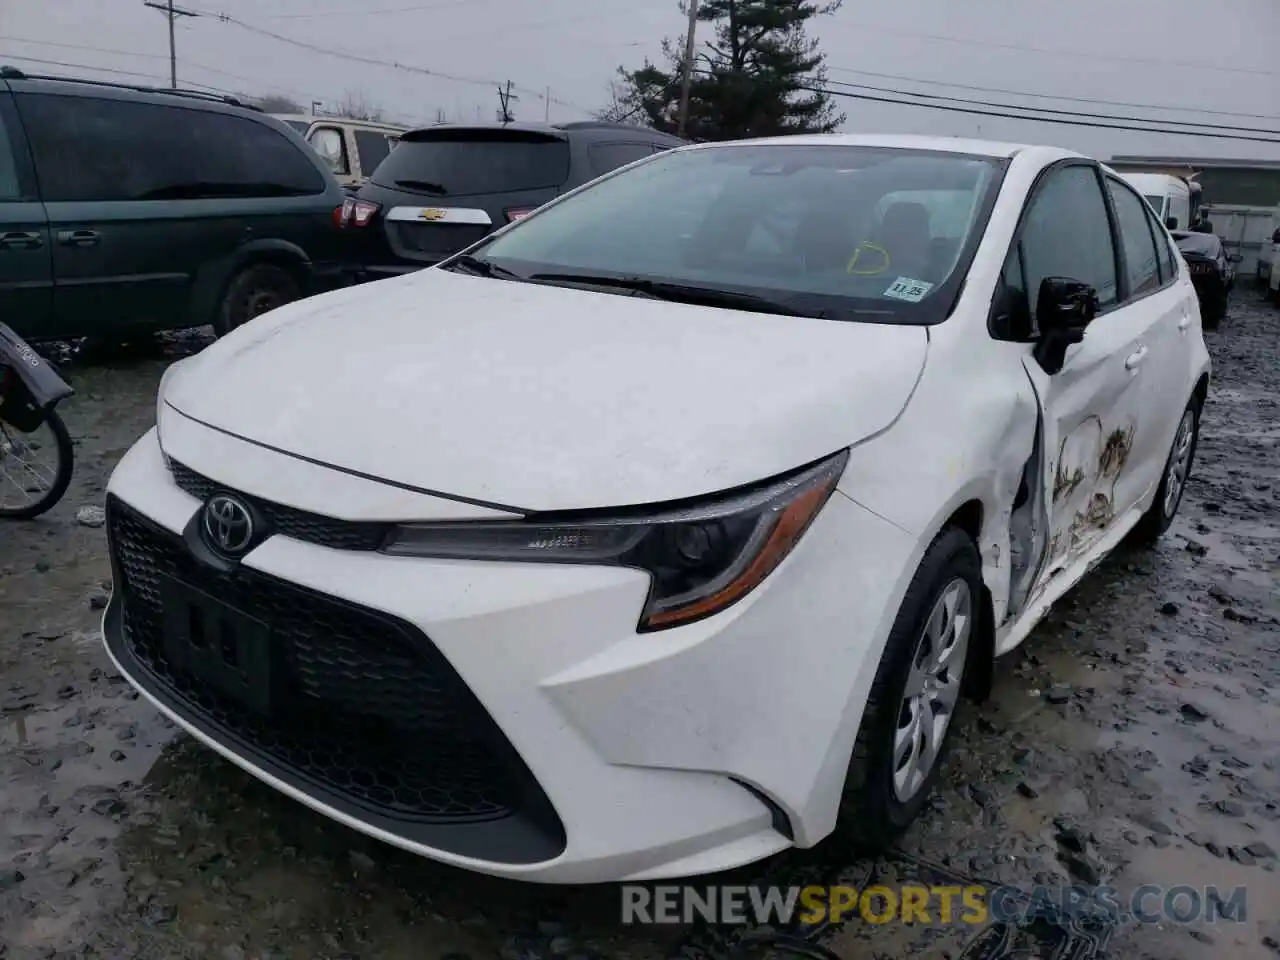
(228, 524)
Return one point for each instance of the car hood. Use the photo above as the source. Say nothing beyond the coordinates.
(546, 398)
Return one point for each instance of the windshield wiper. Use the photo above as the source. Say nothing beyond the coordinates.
(423, 186)
(484, 268)
(682, 293)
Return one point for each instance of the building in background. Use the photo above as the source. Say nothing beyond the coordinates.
(1240, 197)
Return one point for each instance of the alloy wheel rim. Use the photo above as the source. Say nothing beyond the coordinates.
(1179, 464)
(260, 302)
(933, 689)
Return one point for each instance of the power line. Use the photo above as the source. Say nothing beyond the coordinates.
(1066, 122)
(133, 53)
(1054, 96)
(1074, 54)
(383, 62)
(255, 82)
(1059, 112)
(1013, 116)
(368, 13)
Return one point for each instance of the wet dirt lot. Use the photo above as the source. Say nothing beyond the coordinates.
(1134, 739)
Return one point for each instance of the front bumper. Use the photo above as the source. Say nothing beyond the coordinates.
(618, 756)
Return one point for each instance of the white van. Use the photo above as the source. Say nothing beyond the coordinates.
(352, 148)
(1170, 197)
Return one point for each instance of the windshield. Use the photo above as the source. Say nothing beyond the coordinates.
(848, 232)
(455, 162)
(1157, 204)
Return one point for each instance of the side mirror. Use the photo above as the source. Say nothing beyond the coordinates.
(1064, 308)
(1171, 223)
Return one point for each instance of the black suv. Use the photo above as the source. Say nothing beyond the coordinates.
(446, 186)
(128, 209)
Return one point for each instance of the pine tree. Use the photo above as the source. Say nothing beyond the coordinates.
(761, 75)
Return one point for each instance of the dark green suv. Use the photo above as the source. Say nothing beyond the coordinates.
(126, 209)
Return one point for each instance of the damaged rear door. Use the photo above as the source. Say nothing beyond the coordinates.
(1090, 408)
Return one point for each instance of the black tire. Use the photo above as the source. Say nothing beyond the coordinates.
(872, 814)
(62, 477)
(252, 292)
(1213, 311)
(1160, 514)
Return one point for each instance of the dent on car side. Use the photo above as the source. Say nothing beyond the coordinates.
(974, 428)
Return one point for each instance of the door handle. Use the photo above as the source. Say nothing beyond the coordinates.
(1134, 360)
(79, 238)
(1184, 323)
(19, 240)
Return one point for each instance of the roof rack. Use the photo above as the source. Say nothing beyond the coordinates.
(13, 73)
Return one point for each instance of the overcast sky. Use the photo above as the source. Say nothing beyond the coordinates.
(1216, 56)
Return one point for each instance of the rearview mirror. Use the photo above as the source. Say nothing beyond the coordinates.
(1171, 223)
(1064, 308)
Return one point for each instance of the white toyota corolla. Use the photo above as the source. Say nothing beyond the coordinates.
(660, 526)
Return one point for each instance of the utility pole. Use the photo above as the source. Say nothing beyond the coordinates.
(546, 107)
(686, 80)
(505, 99)
(173, 13)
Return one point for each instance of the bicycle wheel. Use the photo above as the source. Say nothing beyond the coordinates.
(24, 468)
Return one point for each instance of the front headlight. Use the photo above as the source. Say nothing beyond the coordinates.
(702, 557)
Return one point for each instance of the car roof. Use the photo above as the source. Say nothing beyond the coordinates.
(351, 121)
(582, 127)
(982, 148)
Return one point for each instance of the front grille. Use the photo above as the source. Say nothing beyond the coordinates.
(362, 705)
(435, 239)
(290, 521)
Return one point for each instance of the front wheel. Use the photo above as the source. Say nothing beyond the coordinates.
(917, 690)
(35, 467)
(1173, 483)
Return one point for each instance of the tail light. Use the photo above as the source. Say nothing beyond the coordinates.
(518, 213)
(355, 213)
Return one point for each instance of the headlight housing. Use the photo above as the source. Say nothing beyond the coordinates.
(702, 557)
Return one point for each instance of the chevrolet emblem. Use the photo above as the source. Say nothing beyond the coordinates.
(434, 213)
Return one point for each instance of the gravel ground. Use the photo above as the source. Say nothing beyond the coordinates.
(1135, 738)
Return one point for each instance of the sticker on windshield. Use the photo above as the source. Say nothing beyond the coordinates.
(904, 288)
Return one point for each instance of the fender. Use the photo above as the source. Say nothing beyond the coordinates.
(213, 278)
(39, 387)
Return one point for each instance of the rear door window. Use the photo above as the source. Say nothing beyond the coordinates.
(243, 158)
(1164, 249)
(610, 156)
(1141, 264)
(90, 149)
(373, 148)
(457, 162)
